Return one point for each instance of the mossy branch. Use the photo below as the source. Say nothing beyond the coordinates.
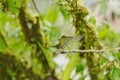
(34, 36)
(12, 68)
(90, 38)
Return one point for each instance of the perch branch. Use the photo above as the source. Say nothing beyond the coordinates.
(86, 51)
(113, 62)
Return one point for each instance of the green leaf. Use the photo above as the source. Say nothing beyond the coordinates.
(14, 5)
(11, 5)
(54, 34)
(106, 32)
(3, 19)
(92, 20)
(102, 61)
(52, 15)
(114, 74)
(82, 77)
(117, 55)
(79, 67)
(65, 14)
(70, 66)
(3, 45)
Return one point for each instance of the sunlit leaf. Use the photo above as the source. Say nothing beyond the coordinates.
(52, 14)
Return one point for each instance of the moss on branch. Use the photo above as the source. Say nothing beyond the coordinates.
(12, 68)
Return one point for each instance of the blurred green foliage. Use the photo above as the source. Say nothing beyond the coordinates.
(12, 40)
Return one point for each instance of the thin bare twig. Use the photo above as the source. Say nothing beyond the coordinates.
(113, 62)
(87, 51)
(35, 6)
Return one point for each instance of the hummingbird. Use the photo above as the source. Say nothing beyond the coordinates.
(64, 41)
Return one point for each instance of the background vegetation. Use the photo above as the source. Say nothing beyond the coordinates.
(56, 40)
